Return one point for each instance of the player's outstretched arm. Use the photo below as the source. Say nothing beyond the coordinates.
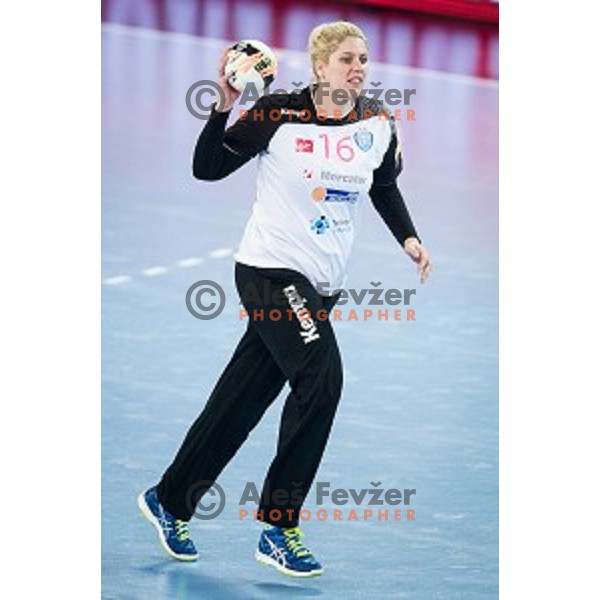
(390, 205)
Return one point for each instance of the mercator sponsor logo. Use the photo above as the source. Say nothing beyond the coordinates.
(342, 178)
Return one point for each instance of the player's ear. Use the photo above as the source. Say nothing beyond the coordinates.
(318, 67)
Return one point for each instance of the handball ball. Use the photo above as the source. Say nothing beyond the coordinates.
(250, 61)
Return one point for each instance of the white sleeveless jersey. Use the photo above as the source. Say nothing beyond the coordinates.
(313, 178)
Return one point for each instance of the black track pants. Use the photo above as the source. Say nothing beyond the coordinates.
(300, 347)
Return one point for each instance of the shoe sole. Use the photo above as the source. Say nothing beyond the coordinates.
(267, 560)
(145, 510)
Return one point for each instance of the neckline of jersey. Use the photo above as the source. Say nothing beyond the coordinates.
(329, 120)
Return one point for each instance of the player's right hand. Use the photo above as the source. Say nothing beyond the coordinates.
(231, 94)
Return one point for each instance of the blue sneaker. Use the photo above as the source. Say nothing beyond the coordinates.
(174, 534)
(283, 549)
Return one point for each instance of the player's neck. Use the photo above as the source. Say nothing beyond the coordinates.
(324, 104)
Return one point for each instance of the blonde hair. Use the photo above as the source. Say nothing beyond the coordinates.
(325, 39)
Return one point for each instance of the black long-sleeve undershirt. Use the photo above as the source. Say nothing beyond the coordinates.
(390, 205)
(214, 160)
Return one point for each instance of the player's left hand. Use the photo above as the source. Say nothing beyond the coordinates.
(419, 255)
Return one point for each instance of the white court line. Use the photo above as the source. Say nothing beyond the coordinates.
(117, 279)
(295, 55)
(154, 271)
(221, 252)
(184, 263)
(189, 262)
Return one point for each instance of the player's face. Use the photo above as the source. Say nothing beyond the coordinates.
(347, 66)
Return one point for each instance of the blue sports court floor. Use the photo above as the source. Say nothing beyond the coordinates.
(419, 408)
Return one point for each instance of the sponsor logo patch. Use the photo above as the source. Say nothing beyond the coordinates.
(323, 194)
(304, 145)
(364, 139)
(320, 225)
(342, 178)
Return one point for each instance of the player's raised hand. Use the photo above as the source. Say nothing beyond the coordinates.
(231, 94)
(418, 253)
